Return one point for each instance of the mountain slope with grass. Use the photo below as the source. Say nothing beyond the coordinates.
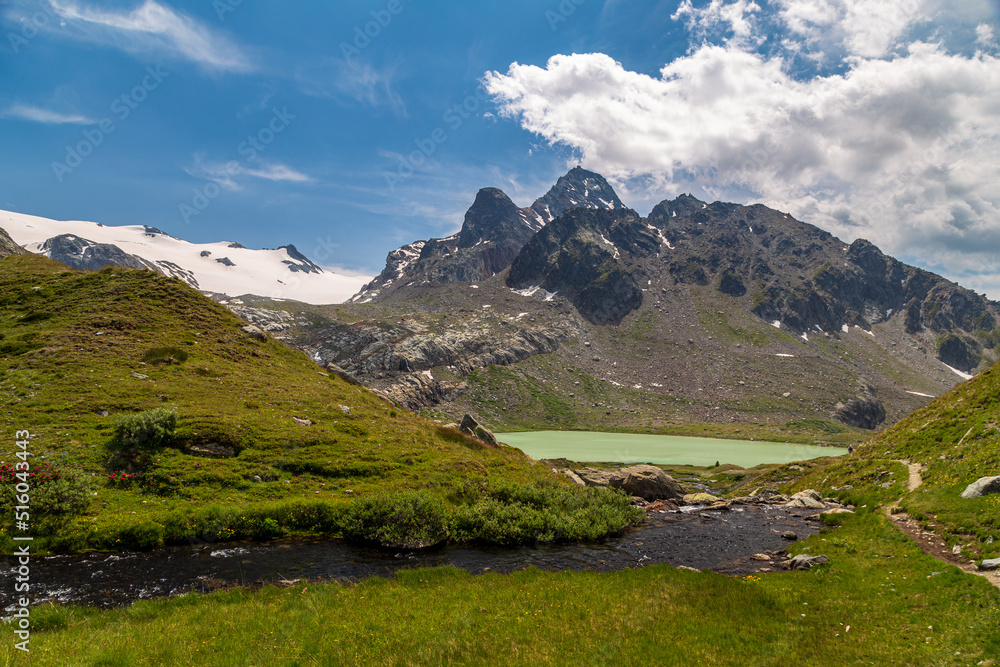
(265, 442)
(945, 446)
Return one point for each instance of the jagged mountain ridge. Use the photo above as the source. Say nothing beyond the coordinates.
(492, 234)
(717, 313)
(214, 268)
(786, 272)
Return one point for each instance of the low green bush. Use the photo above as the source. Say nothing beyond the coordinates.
(53, 492)
(406, 520)
(144, 431)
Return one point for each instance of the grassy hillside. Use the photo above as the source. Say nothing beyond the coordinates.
(955, 440)
(79, 349)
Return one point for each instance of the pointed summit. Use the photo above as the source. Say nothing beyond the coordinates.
(493, 217)
(577, 189)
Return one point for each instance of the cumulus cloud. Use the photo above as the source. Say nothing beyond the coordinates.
(897, 141)
(152, 28)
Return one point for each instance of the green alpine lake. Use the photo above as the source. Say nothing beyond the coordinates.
(660, 449)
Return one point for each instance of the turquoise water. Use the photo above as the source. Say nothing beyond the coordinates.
(662, 449)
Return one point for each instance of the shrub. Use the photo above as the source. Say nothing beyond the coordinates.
(53, 492)
(146, 431)
(67, 493)
(511, 514)
(412, 520)
(165, 355)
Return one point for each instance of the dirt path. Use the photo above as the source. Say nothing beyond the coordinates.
(929, 542)
(915, 479)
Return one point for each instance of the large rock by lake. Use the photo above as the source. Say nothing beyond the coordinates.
(645, 481)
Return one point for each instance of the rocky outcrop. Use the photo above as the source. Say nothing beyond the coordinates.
(865, 412)
(579, 256)
(414, 391)
(79, 253)
(983, 486)
(8, 246)
(960, 353)
(472, 427)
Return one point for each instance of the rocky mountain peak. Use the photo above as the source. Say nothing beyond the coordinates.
(493, 232)
(492, 217)
(577, 189)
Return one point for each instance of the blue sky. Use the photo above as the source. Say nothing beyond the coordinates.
(252, 122)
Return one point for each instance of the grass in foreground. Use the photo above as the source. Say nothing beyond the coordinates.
(903, 608)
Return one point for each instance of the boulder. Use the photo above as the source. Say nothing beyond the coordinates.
(808, 499)
(254, 332)
(806, 562)
(342, 374)
(838, 510)
(647, 482)
(594, 477)
(983, 486)
(470, 426)
(699, 499)
(573, 476)
(991, 564)
(805, 502)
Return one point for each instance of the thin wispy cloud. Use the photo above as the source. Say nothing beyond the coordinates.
(46, 116)
(229, 174)
(362, 82)
(153, 28)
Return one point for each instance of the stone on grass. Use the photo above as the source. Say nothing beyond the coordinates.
(983, 486)
(991, 564)
(805, 562)
(471, 427)
(254, 332)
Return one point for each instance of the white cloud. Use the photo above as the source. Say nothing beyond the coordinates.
(152, 28)
(901, 148)
(736, 18)
(229, 174)
(984, 34)
(47, 116)
(864, 28)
